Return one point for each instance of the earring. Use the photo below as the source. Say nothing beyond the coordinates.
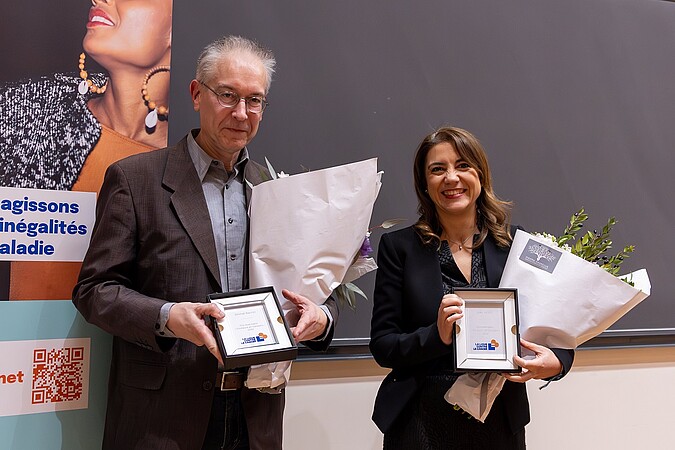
(86, 84)
(155, 111)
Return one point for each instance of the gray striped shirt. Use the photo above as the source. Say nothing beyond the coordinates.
(225, 195)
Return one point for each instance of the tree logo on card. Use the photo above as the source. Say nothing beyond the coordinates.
(540, 256)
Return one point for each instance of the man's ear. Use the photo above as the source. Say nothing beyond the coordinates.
(195, 93)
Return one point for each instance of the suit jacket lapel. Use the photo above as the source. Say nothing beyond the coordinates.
(429, 267)
(188, 201)
(495, 260)
(254, 174)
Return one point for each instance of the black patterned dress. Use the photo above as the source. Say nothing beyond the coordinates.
(432, 423)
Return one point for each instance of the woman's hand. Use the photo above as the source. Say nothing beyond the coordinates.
(449, 312)
(544, 365)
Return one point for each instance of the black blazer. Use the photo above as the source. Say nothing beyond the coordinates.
(404, 336)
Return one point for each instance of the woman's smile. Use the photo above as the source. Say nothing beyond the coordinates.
(453, 193)
(98, 17)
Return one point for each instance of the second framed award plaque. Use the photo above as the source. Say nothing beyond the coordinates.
(253, 330)
(487, 338)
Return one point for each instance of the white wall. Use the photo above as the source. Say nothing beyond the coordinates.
(612, 399)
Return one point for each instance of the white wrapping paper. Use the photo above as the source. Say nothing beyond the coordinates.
(563, 301)
(476, 392)
(575, 303)
(305, 232)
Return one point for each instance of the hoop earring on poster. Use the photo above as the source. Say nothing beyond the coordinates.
(86, 84)
(155, 111)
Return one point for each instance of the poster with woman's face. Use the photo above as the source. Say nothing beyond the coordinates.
(88, 85)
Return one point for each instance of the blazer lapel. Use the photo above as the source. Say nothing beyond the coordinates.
(495, 260)
(188, 201)
(254, 174)
(429, 268)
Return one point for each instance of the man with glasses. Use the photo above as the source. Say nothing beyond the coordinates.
(171, 228)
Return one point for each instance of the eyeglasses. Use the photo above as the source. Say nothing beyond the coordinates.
(254, 103)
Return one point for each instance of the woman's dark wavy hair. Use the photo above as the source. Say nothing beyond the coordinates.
(492, 215)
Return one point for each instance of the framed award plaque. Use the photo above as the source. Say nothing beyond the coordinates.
(253, 330)
(486, 339)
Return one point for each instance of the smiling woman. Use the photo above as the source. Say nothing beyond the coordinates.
(461, 240)
(63, 130)
(452, 184)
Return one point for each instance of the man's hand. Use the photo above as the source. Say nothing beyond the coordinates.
(187, 321)
(312, 322)
(544, 365)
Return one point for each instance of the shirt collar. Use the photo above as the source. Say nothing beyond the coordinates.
(202, 161)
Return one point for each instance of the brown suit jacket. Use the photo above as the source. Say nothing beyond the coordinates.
(152, 243)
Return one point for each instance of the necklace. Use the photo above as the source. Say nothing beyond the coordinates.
(460, 245)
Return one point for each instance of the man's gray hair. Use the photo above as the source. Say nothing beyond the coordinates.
(213, 53)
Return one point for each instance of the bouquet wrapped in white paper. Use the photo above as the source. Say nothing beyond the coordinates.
(305, 232)
(563, 299)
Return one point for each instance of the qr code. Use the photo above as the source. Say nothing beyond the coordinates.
(57, 375)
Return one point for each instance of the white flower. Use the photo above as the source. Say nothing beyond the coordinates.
(548, 237)
(552, 239)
